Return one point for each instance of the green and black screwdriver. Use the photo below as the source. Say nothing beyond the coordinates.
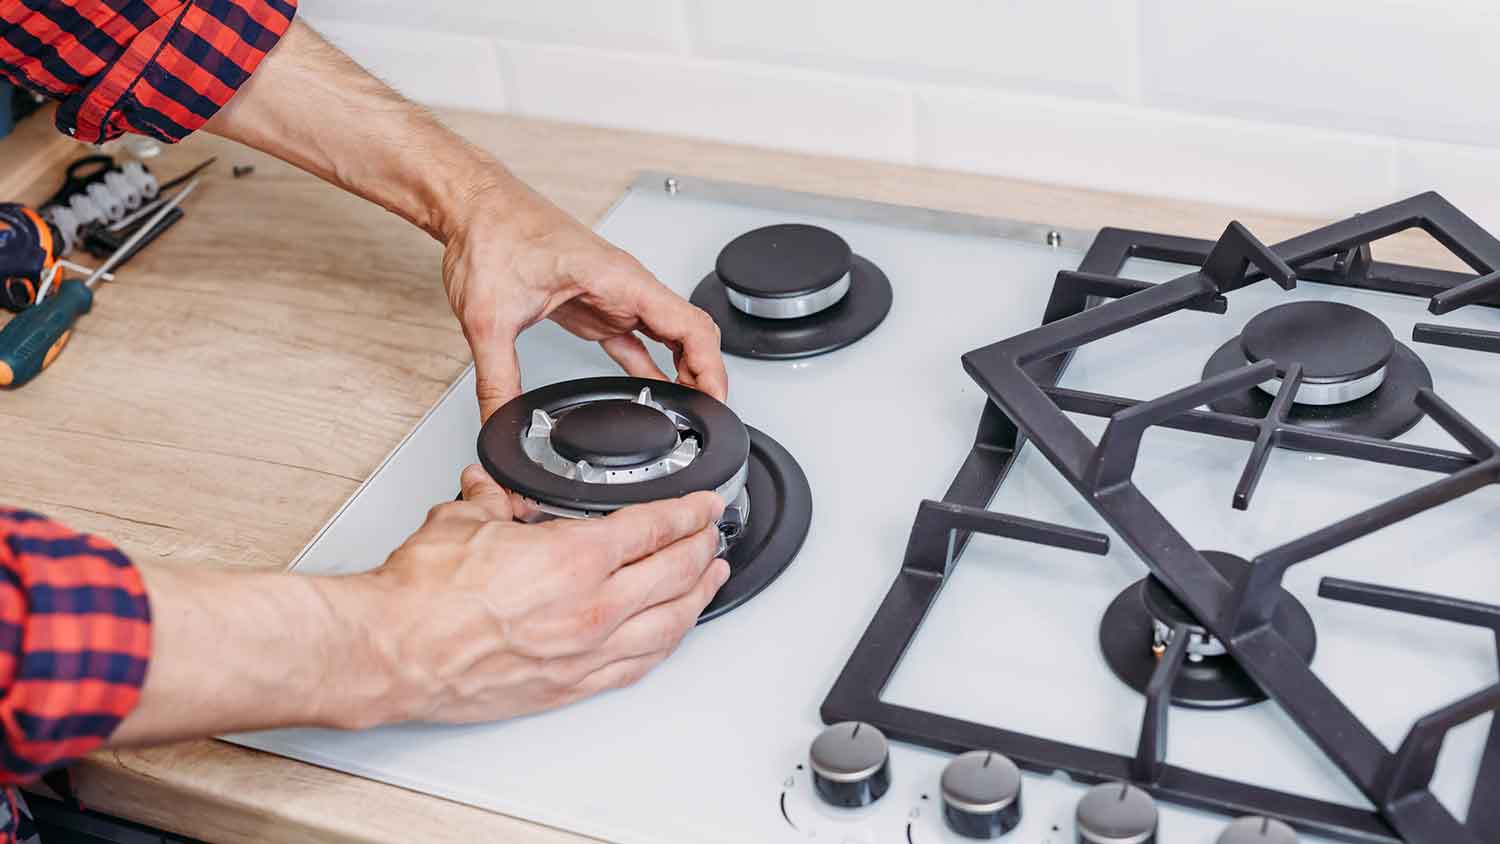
(32, 340)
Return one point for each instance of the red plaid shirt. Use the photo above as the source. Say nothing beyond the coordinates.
(155, 67)
(75, 638)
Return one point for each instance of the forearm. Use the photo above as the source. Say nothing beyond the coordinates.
(257, 650)
(314, 108)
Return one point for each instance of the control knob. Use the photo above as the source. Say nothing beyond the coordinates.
(1116, 813)
(1254, 830)
(981, 795)
(850, 764)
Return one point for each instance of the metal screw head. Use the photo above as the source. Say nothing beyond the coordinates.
(1054, 238)
(670, 185)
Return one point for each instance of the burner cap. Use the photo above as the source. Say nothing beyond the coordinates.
(792, 291)
(615, 432)
(784, 261)
(1343, 350)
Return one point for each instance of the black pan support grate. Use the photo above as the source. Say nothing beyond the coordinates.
(1021, 374)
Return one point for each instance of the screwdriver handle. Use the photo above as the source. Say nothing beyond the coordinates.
(34, 337)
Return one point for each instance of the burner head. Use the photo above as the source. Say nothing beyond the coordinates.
(792, 291)
(786, 271)
(1138, 626)
(1357, 378)
(613, 433)
(1343, 350)
(582, 449)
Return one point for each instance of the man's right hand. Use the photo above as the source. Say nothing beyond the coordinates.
(484, 618)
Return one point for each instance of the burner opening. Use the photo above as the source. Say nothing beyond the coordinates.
(1344, 351)
(1137, 627)
(785, 271)
(612, 441)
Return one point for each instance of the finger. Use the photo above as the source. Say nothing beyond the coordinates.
(650, 637)
(692, 335)
(663, 576)
(479, 488)
(630, 533)
(497, 372)
(630, 353)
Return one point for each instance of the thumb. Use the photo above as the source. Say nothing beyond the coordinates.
(479, 488)
(497, 372)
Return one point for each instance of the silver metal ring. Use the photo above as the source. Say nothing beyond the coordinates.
(789, 307)
(1334, 392)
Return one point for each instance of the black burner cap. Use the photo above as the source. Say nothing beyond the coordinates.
(782, 261)
(1333, 341)
(1165, 607)
(615, 432)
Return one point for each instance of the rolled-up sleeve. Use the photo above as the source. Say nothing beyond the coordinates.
(75, 641)
(154, 67)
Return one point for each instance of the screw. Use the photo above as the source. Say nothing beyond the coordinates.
(670, 185)
(243, 170)
(1054, 238)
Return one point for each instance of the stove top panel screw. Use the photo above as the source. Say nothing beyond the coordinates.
(1258, 831)
(1116, 813)
(670, 185)
(1054, 238)
(981, 795)
(851, 764)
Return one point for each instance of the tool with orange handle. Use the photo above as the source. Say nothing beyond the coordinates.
(30, 247)
(32, 340)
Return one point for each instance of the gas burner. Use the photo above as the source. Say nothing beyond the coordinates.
(1356, 378)
(582, 449)
(1138, 628)
(792, 291)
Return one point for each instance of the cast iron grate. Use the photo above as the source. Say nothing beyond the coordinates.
(1020, 375)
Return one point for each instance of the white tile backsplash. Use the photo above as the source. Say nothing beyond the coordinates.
(436, 68)
(1082, 47)
(1140, 151)
(1303, 108)
(1409, 68)
(748, 104)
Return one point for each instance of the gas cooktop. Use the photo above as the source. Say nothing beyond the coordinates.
(1272, 458)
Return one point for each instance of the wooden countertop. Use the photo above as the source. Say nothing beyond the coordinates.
(248, 372)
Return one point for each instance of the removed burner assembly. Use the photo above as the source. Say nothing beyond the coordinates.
(792, 291)
(582, 449)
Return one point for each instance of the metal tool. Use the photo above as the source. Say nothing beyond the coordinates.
(33, 339)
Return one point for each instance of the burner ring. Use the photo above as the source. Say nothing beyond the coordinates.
(789, 307)
(718, 462)
(1128, 632)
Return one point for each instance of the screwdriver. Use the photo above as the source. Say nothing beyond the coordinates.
(32, 340)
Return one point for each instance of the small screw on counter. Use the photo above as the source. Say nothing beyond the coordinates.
(33, 339)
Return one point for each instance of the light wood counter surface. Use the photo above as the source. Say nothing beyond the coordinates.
(245, 374)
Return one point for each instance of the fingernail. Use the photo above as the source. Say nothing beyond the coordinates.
(723, 574)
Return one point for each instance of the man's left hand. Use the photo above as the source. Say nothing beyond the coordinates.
(516, 259)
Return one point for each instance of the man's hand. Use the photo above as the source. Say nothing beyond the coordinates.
(518, 259)
(512, 259)
(475, 618)
(486, 618)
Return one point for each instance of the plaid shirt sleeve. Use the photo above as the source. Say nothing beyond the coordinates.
(75, 638)
(153, 67)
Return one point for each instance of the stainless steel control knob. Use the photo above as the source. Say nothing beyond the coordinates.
(850, 764)
(981, 795)
(1254, 830)
(1116, 813)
